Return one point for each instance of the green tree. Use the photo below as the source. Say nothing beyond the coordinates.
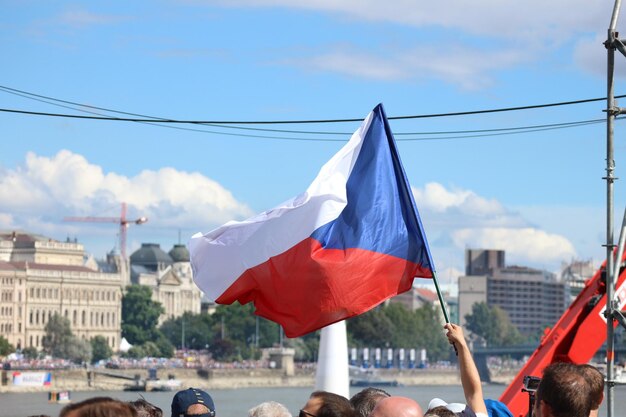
(430, 332)
(100, 349)
(237, 324)
(371, 326)
(396, 326)
(58, 336)
(59, 341)
(30, 352)
(493, 325)
(140, 315)
(77, 350)
(5, 347)
(196, 329)
(164, 346)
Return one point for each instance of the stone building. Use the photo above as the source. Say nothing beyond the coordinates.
(170, 277)
(532, 298)
(40, 276)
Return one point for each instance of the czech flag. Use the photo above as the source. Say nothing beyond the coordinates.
(352, 240)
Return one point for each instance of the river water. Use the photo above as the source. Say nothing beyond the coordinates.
(237, 402)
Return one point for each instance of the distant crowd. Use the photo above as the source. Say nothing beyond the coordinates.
(565, 389)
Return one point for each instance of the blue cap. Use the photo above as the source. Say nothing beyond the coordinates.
(184, 399)
(497, 409)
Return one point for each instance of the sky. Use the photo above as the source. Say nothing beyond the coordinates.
(537, 195)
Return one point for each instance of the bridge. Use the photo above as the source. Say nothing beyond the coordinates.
(518, 352)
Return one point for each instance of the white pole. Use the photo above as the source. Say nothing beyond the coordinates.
(332, 362)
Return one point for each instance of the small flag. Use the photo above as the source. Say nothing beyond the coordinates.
(352, 240)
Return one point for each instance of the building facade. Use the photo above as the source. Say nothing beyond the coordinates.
(534, 299)
(170, 277)
(40, 277)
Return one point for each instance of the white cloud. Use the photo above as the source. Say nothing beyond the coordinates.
(39, 194)
(517, 32)
(82, 18)
(455, 207)
(467, 67)
(523, 246)
(591, 56)
(535, 20)
(455, 219)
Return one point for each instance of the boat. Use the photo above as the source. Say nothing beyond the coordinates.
(373, 382)
(361, 377)
(59, 397)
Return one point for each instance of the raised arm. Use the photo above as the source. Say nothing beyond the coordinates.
(470, 379)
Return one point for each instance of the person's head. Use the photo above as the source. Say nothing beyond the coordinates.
(193, 402)
(327, 404)
(99, 407)
(595, 379)
(562, 392)
(269, 409)
(459, 409)
(397, 407)
(365, 400)
(145, 409)
(440, 411)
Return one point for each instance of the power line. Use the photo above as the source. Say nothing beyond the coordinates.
(230, 122)
(170, 123)
(464, 134)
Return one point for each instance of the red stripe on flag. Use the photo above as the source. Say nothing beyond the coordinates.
(309, 287)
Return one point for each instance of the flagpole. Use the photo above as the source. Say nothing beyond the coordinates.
(443, 306)
(440, 296)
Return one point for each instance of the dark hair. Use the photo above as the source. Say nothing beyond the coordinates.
(145, 409)
(333, 405)
(595, 379)
(365, 400)
(564, 390)
(440, 411)
(100, 407)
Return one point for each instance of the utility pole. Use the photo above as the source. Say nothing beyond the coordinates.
(612, 272)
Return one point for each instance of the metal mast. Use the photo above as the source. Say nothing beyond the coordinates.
(612, 110)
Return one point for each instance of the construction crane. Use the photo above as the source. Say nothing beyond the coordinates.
(122, 221)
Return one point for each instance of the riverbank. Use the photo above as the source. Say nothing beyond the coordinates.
(105, 380)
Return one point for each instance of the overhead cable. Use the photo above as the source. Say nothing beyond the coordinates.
(143, 118)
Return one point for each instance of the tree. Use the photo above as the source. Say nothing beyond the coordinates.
(493, 325)
(430, 329)
(5, 347)
(61, 343)
(100, 349)
(165, 348)
(195, 328)
(140, 315)
(30, 352)
(58, 336)
(369, 327)
(77, 350)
